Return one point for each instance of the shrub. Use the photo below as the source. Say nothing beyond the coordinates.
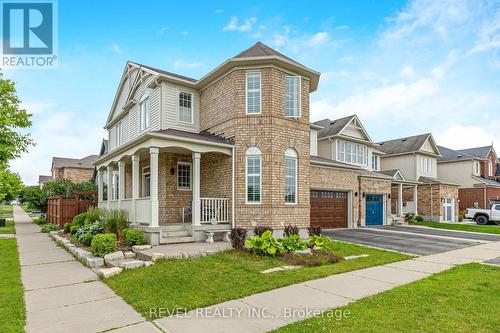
(67, 227)
(133, 237)
(50, 227)
(314, 231)
(79, 220)
(290, 230)
(293, 243)
(41, 220)
(94, 214)
(103, 244)
(88, 229)
(409, 217)
(87, 239)
(260, 230)
(115, 220)
(237, 237)
(419, 219)
(320, 241)
(461, 215)
(73, 229)
(265, 244)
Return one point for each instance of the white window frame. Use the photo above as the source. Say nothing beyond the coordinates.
(253, 152)
(144, 113)
(143, 179)
(119, 133)
(375, 162)
(355, 151)
(490, 168)
(179, 107)
(477, 168)
(190, 176)
(299, 97)
(291, 154)
(246, 93)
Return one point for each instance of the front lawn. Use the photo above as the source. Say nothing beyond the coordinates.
(9, 224)
(463, 299)
(185, 284)
(489, 229)
(11, 295)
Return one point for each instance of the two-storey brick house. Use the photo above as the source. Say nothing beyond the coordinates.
(475, 170)
(77, 170)
(230, 149)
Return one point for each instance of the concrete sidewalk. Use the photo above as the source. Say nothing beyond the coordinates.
(270, 310)
(62, 295)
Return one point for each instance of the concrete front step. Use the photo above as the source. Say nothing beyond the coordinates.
(175, 227)
(180, 233)
(174, 240)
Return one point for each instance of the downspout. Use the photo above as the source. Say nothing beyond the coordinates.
(432, 203)
(233, 195)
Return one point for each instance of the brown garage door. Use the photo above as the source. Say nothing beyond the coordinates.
(329, 209)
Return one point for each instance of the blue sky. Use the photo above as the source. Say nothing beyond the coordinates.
(404, 67)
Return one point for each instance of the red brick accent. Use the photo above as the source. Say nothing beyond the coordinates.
(469, 196)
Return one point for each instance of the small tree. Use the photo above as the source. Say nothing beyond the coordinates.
(10, 185)
(34, 197)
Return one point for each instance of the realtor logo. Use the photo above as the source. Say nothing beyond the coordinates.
(29, 34)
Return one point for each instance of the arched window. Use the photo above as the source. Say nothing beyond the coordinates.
(253, 175)
(291, 158)
(144, 112)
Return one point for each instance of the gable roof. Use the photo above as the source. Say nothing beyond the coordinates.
(260, 49)
(83, 163)
(487, 181)
(450, 155)
(161, 71)
(335, 127)
(480, 152)
(406, 145)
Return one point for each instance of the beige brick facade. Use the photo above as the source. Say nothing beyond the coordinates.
(75, 175)
(430, 197)
(374, 186)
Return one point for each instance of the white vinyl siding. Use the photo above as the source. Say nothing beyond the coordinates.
(253, 93)
(352, 153)
(291, 158)
(185, 111)
(292, 96)
(253, 175)
(170, 118)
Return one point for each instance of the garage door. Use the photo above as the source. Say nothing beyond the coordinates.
(329, 209)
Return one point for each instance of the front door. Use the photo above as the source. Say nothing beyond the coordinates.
(374, 209)
(448, 207)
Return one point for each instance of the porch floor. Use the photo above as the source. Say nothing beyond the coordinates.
(188, 250)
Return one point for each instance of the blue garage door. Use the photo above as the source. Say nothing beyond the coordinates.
(374, 209)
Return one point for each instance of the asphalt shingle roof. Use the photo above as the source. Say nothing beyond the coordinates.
(260, 49)
(161, 71)
(332, 127)
(448, 154)
(489, 181)
(205, 136)
(85, 163)
(403, 145)
(481, 152)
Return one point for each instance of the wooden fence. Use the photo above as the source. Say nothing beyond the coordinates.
(61, 209)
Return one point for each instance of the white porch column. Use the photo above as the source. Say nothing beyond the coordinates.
(100, 186)
(155, 218)
(415, 198)
(135, 185)
(196, 213)
(121, 182)
(400, 200)
(110, 184)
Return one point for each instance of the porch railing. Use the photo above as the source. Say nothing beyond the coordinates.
(214, 210)
(409, 207)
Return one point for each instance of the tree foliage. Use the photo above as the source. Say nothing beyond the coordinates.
(10, 185)
(12, 119)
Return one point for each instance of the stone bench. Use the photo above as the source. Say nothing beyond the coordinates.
(210, 235)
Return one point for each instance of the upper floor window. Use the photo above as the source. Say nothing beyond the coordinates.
(253, 93)
(144, 113)
(183, 176)
(186, 107)
(426, 165)
(253, 175)
(490, 168)
(291, 157)
(375, 163)
(477, 168)
(353, 153)
(292, 96)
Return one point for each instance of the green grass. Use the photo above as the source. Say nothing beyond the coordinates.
(200, 282)
(9, 224)
(26, 209)
(463, 299)
(489, 229)
(11, 289)
(6, 209)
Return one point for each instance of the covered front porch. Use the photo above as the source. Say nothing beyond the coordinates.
(174, 188)
(404, 198)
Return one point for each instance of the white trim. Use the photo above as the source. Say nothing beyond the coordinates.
(246, 92)
(253, 152)
(179, 92)
(299, 96)
(190, 176)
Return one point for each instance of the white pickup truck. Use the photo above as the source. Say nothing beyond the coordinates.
(483, 216)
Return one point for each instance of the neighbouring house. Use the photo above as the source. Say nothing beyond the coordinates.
(416, 159)
(347, 188)
(43, 179)
(475, 170)
(73, 169)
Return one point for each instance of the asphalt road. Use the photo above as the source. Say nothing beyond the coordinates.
(447, 233)
(414, 243)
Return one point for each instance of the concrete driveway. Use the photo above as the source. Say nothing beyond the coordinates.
(417, 241)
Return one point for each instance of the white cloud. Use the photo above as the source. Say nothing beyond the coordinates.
(245, 26)
(342, 27)
(319, 38)
(115, 48)
(467, 136)
(407, 72)
(38, 107)
(162, 31)
(180, 64)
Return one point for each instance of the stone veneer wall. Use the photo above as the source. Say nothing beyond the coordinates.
(222, 112)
